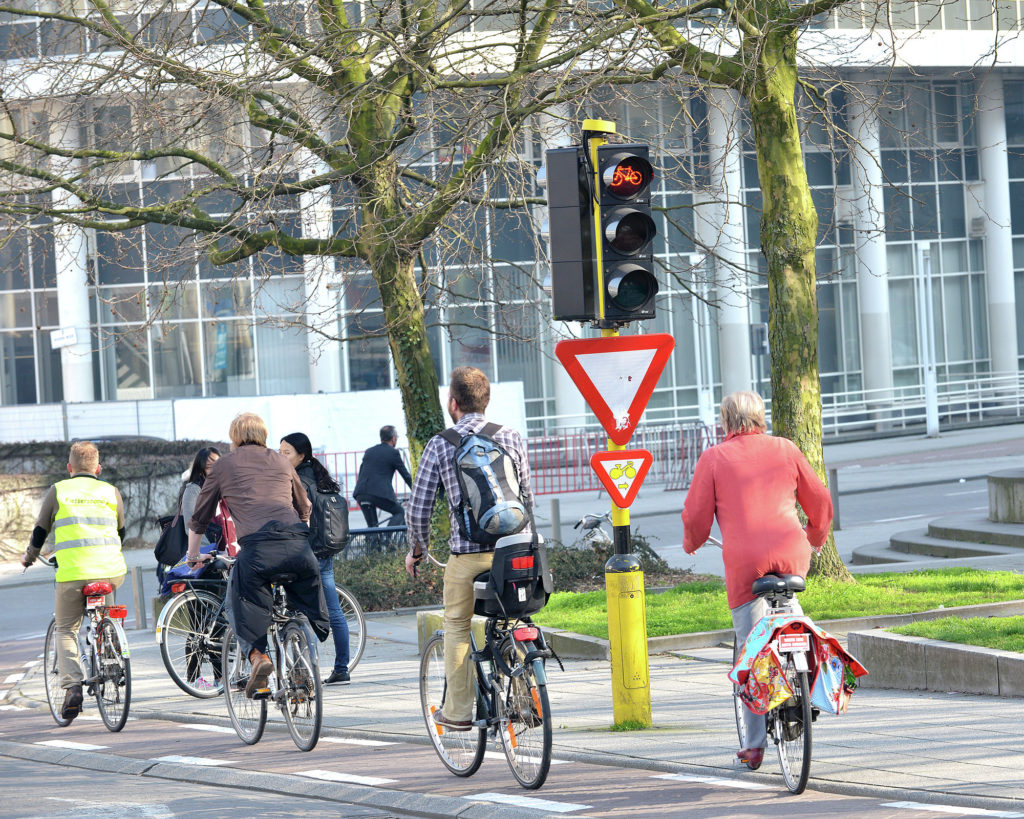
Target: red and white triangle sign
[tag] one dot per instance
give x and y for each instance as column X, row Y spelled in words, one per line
column 622, row 471
column 616, row 376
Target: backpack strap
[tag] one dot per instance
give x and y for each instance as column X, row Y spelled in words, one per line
column 452, row 436
column 489, row 429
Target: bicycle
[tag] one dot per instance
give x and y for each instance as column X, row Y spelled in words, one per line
column 106, row 661
column 190, row 632
column 512, row 706
column 295, row 687
column 593, row 533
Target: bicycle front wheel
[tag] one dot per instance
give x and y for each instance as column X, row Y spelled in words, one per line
column 461, row 752
column 525, row 718
column 301, row 698
column 190, row 643
column 114, row 672
column 249, row 717
column 790, row 724
column 51, row 676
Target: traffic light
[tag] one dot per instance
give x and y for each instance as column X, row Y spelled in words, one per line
column 627, row 233
column 571, row 235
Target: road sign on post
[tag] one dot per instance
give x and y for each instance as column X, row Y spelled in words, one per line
column 622, row 471
column 617, row 376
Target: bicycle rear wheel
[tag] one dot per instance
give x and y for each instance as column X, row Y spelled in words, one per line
column 302, row 696
column 525, row 714
column 790, row 724
column 737, row 704
column 114, row 670
column 51, row 676
column 249, row 717
column 190, row 643
column 461, row 752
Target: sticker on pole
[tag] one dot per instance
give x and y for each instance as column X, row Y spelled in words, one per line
column 622, row 471
column 616, row 375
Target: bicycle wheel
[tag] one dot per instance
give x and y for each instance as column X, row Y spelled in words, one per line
column 51, row 676
column 790, row 724
column 301, row 697
column 356, row 632
column 525, row 715
column 737, row 705
column 249, row 717
column 190, row 643
column 461, row 752
column 114, row 671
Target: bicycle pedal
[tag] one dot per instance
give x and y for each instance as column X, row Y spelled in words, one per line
column 261, row 693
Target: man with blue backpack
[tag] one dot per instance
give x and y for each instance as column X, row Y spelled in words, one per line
column 485, row 474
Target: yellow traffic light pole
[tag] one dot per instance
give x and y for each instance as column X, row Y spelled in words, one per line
column 624, row 580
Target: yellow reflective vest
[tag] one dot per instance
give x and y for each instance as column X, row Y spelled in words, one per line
column 85, row 530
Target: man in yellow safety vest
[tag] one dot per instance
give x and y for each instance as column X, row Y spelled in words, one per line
column 86, row 516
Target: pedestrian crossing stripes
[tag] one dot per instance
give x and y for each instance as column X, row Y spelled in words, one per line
column 351, row 779
column 371, row 743
column 954, row 809
column 71, row 746
column 192, row 760
column 529, row 802
column 720, row 781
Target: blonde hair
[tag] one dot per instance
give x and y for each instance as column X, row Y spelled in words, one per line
column 470, row 389
column 84, row 457
column 248, row 428
column 743, row 412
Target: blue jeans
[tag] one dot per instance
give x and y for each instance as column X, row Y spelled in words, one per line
column 339, row 625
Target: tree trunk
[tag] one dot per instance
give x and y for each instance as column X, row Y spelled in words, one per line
column 789, row 226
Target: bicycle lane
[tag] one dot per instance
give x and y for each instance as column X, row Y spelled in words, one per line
column 391, row 768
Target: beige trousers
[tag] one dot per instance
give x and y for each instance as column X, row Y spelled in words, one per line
column 458, row 614
column 68, row 610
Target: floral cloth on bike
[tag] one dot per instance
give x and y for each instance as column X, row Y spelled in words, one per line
column 758, row 669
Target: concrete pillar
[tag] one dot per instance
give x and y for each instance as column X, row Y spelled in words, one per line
column 322, row 291
column 723, row 228
column 869, row 243
column 71, row 257
column 1002, row 315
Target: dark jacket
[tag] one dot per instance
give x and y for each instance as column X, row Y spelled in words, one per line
column 380, row 463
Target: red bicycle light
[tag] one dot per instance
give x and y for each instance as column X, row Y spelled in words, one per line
column 526, row 634
column 627, row 177
column 522, row 562
column 177, row 588
column 117, row 612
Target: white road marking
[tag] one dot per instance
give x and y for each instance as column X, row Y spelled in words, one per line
column 1003, row 814
column 529, row 802
column 9, row 708
column 352, row 779
column 373, row 743
column 13, row 678
column 721, row 781
column 117, row 810
column 216, row 729
column 501, row 757
column 74, row 746
column 192, row 760
column 968, row 492
column 893, row 520
column 31, row 664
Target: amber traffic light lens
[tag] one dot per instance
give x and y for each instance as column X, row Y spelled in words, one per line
column 628, row 177
column 629, row 231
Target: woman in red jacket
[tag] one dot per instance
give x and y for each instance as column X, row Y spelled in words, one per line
column 749, row 482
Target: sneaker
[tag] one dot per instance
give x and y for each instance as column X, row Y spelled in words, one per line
column 72, row 702
column 338, row 678
column 262, row 668
column 451, row 724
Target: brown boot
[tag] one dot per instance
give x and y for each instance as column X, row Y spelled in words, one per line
column 72, row 702
column 262, row 668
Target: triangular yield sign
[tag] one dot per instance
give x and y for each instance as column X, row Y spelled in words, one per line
column 622, row 471
column 616, row 376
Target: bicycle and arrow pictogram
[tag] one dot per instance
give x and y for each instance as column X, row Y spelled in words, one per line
column 622, row 472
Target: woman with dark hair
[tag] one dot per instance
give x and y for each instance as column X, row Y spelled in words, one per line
column 298, row 450
column 201, row 464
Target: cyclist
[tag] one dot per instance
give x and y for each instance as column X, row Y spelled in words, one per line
column 86, row 516
column 298, row 449
column 374, row 489
column 748, row 482
column 269, row 508
column 469, row 393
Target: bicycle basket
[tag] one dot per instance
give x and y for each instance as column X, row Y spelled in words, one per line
column 519, row 582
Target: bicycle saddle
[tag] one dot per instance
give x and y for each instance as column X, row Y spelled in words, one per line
column 97, row 587
column 284, row 578
column 778, row 583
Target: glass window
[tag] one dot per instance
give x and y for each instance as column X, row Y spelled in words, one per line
column 227, row 298
column 981, row 14
column 954, row 257
column 922, row 166
column 121, row 304
column 956, row 306
column 229, row 358
column 16, row 310
column 903, row 322
column 368, row 353
column 512, row 236
column 954, row 220
column 897, row 210
column 828, row 330
column 1013, row 101
column 979, row 311
column 283, row 359
column 924, row 206
column 819, row 168
column 17, row 368
column 51, row 384
column 14, row 261
column 177, row 361
column 47, row 312
column 470, row 337
column 126, row 364
column 894, row 166
column 44, row 262
column 119, row 257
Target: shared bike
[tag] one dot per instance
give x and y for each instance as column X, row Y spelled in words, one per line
column 295, row 686
column 104, row 652
column 511, row 707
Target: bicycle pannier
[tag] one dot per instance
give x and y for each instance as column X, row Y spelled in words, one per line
column 173, row 541
column 519, row 582
column 328, row 523
column 491, row 506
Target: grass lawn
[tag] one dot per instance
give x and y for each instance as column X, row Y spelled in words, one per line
column 1006, row 633
column 701, row 606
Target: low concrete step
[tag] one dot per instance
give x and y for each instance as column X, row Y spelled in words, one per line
column 876, row 554
column 916, row 542
column 977, row 529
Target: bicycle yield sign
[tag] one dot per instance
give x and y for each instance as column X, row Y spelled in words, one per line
column 621, row 472
column 616, row 376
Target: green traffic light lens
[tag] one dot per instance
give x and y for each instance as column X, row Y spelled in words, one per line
column 631, row 288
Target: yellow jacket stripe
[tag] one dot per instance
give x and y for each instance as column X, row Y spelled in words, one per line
column 85, row 530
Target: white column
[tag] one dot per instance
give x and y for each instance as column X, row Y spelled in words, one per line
column 869, row 244
column 720, row 226
column 71, row 257
column 1002, row 315
column 325, row 367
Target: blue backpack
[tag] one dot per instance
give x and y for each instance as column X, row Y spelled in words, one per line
column 491, row 505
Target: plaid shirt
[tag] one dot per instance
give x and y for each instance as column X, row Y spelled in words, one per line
column 437, row 468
